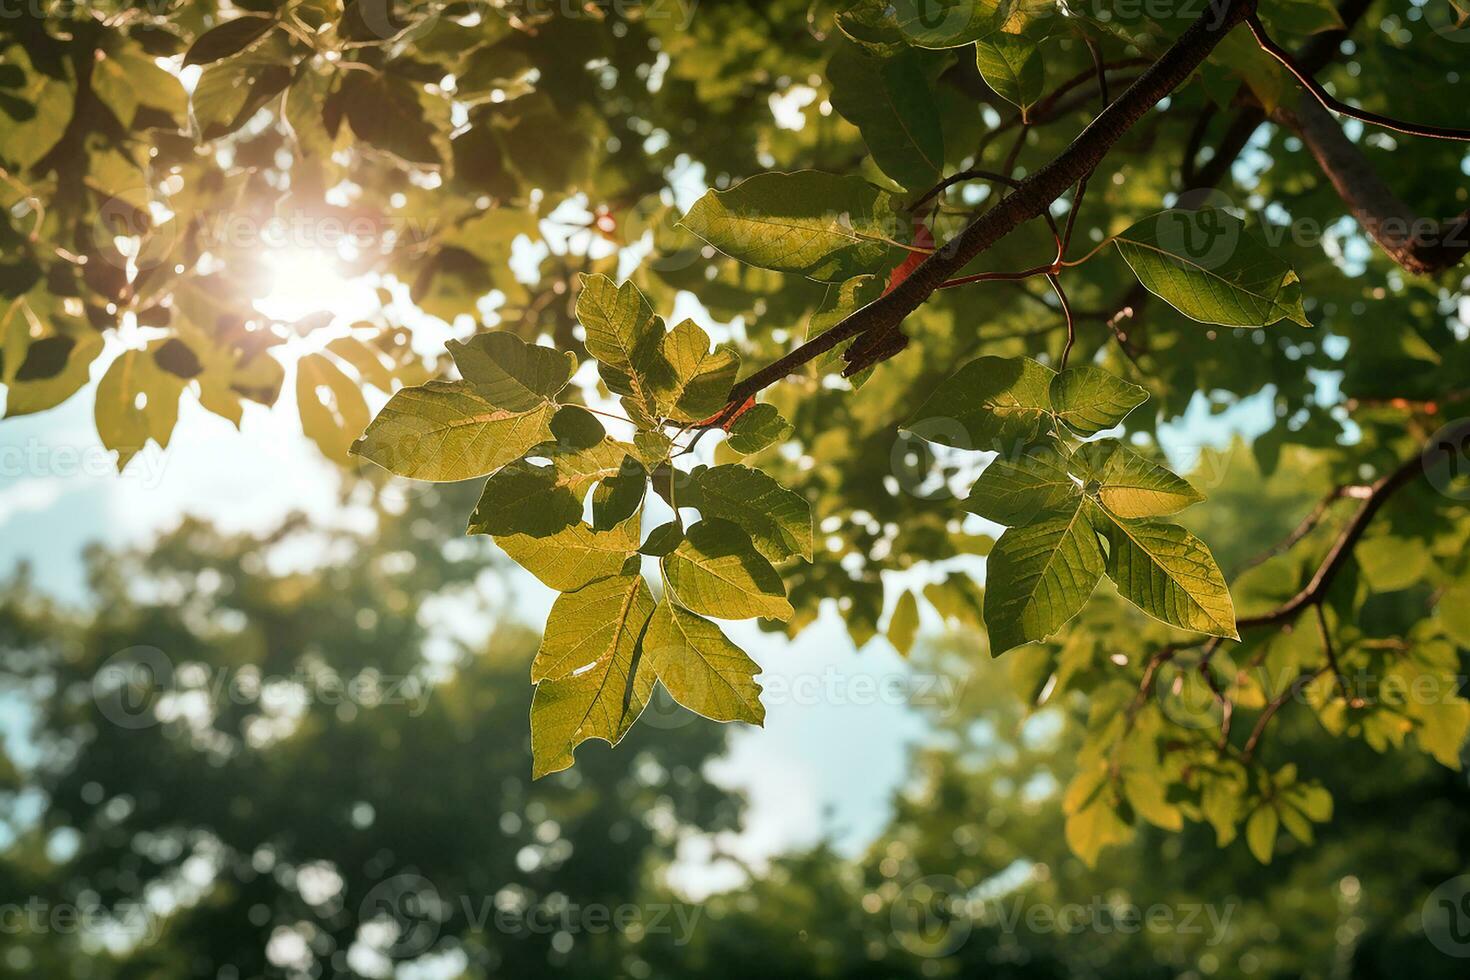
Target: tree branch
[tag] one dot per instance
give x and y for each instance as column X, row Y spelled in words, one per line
column 1315, row 591
column 1030, row 200
column 1337, row 105
column 1423, row 246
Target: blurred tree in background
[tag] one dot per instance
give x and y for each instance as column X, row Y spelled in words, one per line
column 327, row 781
column 275, row 821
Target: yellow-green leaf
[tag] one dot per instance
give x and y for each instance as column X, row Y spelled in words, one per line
column 447, row 431
column 701, row 668
column 717, row 571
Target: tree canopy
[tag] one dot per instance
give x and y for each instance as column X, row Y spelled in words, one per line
column 920, row 232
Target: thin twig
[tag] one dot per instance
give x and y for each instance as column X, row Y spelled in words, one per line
column 1337, row 105
column 1302, row 680
column 1056, row 286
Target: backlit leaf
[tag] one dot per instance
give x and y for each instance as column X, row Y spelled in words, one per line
column 446, row 431
column 1012, row 491
column 1089, row 399
column 1039, row 576
column 823, row 226
column 598, row 622
column 1011, row 65
column 571, row 558
column 1205, row 265
column 333, row 412
column 510, row 373
column 1130, row 486
column 758, row 428
column 889, row 100
column 992, row 403
column 701, row 668
column 778, row 521
column 716, row 571
column 602, row 701
column 903, row 625
column 1168, row 573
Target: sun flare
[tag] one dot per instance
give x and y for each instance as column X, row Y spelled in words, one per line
column 310, row 280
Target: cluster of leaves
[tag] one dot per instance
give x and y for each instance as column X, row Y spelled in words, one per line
column 608, row 639
column 1073, row 511
column 491, row 124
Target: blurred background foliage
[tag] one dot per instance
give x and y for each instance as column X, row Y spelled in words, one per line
column 286, row 830
column 272, row 825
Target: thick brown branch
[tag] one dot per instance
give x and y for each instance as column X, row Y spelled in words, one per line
column 1031, row 198
column 1420, row 245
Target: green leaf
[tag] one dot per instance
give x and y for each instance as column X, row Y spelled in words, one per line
column 602, row 702
column 1204, row 265
column 822, row 226
column 619, row 495
column 958, row 599
column 525, row 498
column 890, row 101
column 367, row 361
column 1168, row 573
column 125, row 80
column 923, row 23
column 1453, row 610
column 652, row 448
column 447, row 431
column 510, row 373
column 716, row 571
column 903, row 625
column 1039, row 576
column 1012, row 491
column 1391, row 563
column 122, row 423
column 50, row 102
column 223, row 40
column 778, row 520
column 333, row 411
column 1089, row 399
column 1011, row 65
column 758, row 428
column 625, row 336
column 390, row 113
column 1260, row 832
column 601, row 621
column 1130, row 486
column 1301, row 16
column 571, row 558
column 229, row 93
column 701, row 668
column 583, row 452
column 662, row 540
column 698, row 381
column 992, row 403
